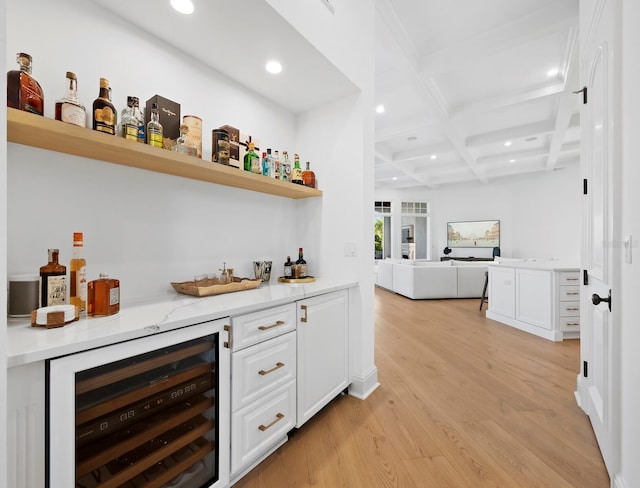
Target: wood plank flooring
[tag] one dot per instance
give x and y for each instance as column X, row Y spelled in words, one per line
column 464, row 402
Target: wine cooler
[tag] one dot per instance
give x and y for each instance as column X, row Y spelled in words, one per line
column 150, row 412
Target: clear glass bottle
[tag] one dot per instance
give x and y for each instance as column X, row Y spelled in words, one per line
column 69, row 109
column 78, row 274
column 183, row 144
column 296, row 173
column 154, row 128
column 104, row 113
column 103, row 296
column 285, row 167
column 23, row 91
column 251, row 159
column 276, row 165
column 309, row 177
column 53, row 281
column 129, row 122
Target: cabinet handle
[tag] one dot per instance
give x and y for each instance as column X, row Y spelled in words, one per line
column 267, row 327
column 279, row 416
column 573, row 279
column 573, row 309
column 228, row 344
column 573, row 293
column 278, row 365
column 573, row 323
column 304, row 309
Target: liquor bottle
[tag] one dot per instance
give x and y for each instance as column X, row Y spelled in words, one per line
column 285, row 167
column 103, row 296
column 300, row 270
column 272, row 164
column 288, row 268
column 23, row 91
column 138, row 115
column 183, row 144
column 296, row 173
column 129, row 122
column 69, row 108
column 276, row 161
column 104, row 113
column 53, row 281
column 309, row 177
column 154, row 128
column 78, row 274
column 266, row 163
column 251, row 158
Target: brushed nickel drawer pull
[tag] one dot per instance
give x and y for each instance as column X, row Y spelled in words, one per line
column 278, row 365
column 279, row 416
column 267, row 327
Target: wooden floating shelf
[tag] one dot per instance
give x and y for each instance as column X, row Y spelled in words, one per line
column 33, row 130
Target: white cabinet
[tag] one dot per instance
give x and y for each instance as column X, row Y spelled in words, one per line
column 542, row 299
column 323, row 360
column 263, row 384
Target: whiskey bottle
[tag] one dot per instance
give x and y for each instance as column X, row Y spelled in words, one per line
column 154, row 128
column 296, row 173
column 183, row 144
column 23, row 91
column 300, row 270
column 309, row 177
column 288, row 268
column 276, row 161
column 53, row 281
column 104, row 113
column 251, row 159
column 129, row 122
column 103, row 296
column 285, row 167
column 78, row 274
column 69, row 109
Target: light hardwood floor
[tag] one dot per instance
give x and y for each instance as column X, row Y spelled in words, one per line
column 463, row 402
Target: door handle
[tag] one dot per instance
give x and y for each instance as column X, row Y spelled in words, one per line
column 597, row 299
column 304, row 309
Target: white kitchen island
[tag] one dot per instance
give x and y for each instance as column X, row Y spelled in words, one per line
column 539, row 297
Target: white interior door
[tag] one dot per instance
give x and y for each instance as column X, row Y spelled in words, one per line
column 597, row 385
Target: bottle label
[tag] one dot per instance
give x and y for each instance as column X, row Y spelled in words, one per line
column 155, row 138
column 131, row 132
column 105, row 116
column 255, row 165
column 114, row 296
column 287, row 271
column 141, row 133
column 72, row 114
column 296, row 174
column 56, row 287
column 302, row 270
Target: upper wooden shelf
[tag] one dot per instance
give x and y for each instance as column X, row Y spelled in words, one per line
column 34, row 130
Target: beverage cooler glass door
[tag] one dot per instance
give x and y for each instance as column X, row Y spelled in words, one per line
column 150, row 412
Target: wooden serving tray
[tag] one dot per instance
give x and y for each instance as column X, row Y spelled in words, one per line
column 214, row 287
column 308, row 279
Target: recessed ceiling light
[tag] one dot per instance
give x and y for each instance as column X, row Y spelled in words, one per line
column 512, row 160
column 412, row 138
column 380, row 109
column 508, row 143
column 395, row 178
column 433, row 156
column 273, row 67
column 183, row 6
column 553, row 72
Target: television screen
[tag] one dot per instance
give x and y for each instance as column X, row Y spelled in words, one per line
column 481, row 233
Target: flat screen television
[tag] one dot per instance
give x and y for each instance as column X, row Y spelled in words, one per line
column 479, row 233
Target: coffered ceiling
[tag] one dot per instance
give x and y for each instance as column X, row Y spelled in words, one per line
column 475, row 91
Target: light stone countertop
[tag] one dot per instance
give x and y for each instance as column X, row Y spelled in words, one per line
column 546, row 265
column 26, row 344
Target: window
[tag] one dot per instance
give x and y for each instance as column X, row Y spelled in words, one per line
column 415, row 235
column 382, row 230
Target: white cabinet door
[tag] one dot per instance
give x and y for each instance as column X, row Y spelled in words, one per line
column 534, row 297
column 502, row 291
column 323, row 362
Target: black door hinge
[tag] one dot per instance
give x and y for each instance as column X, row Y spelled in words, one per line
column 585, row 277
column 585, row 369
column 584, row 94
column 584, row 186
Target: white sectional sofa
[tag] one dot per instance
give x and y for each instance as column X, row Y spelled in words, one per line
column 432, row 279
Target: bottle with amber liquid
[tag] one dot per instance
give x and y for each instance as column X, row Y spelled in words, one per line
column 69, row 109
column 23, row 91
column 78, row 274
column 300, row 268
column 103, row 296
column 104, row 113
column 309, row 177
column 53, row 281
column 296, row 172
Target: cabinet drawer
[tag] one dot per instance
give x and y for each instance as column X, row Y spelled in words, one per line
column 569, row 323
column 569, row 309
column 569, row 293
column 262, row 424
column 257, row 327
column 260, row 369
column 569, row 278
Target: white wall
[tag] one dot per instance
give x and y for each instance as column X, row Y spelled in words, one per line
column 539, row 213
column 630, row 306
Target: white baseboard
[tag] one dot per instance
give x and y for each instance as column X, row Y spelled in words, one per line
column 619, row 482
column 363, row 386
